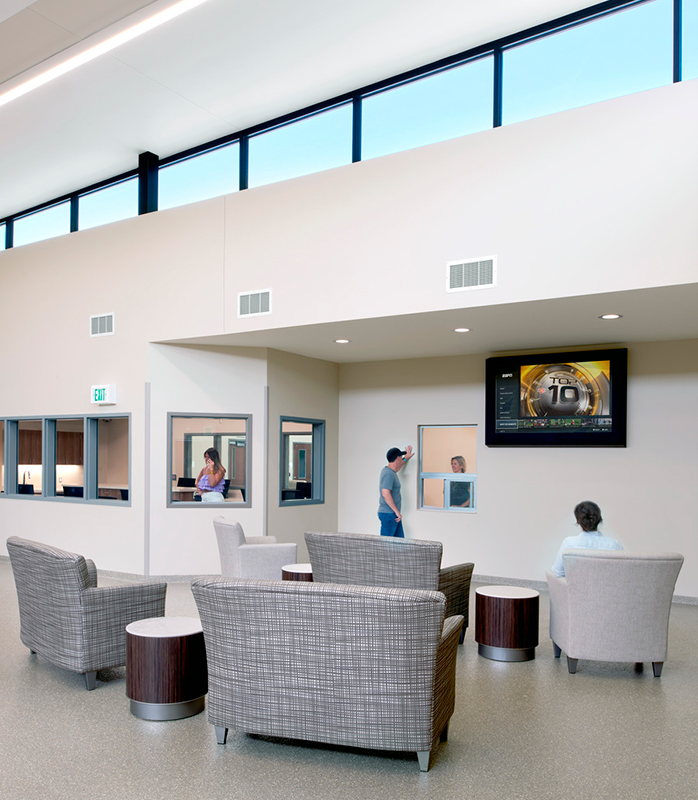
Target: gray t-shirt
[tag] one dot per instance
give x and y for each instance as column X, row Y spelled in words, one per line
column 389, row 480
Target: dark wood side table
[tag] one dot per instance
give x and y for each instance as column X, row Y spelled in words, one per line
column 297, row 572
column 506, row 622
column 166, row 672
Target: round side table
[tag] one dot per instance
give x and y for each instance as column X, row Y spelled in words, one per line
column 297, row 572
column 506, row 622
column 166, row 671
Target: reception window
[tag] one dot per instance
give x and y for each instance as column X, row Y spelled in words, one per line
column 302, row 463
column 83, row 459
column 448, row 467
column 191, row 437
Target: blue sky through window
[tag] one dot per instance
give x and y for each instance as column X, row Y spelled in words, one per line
column 315, row 143
column 119, row 201
column 210, row 174
column 54, row 221
column 690, row 39
column 432, row 109
column 612, row 56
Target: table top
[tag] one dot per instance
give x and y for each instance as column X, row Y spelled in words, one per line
column 164, row 627
column 298, row 567
column 513, row 592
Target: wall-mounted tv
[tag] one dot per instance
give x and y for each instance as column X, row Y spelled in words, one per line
column 569, row 399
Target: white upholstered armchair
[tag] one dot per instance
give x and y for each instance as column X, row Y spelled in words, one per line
column 251, row 556
column 613, row 606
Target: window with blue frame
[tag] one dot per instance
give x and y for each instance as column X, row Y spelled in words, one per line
column 610, row 56
column 113, row 203
column 452, row 103
column 689, row 40
column 210, row 174
column 44, row 224
column 321, row 141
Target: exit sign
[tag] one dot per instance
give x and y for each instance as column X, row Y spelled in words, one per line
column 104, row 395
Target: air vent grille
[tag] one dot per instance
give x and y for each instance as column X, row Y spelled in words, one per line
column 473, row 274
column 102, row 325
column 252, row 304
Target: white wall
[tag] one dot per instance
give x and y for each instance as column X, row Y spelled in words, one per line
column 212, row 381
column 526, row 496
column 302, row 387
column 596, row 199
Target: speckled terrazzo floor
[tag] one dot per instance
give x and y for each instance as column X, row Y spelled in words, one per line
column 526, row 731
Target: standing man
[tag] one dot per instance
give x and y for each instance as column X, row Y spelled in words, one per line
column 390, row 500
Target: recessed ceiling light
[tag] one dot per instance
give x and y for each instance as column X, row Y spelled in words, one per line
column 461, row 330
column 611, row 316
column 341, row 341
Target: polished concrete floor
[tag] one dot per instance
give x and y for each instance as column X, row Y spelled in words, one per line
column 522, row 731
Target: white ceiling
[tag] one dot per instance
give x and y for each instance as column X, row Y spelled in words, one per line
column 229, row 64
column 218, row 68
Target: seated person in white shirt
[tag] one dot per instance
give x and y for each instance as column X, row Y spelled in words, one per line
column 588, row 517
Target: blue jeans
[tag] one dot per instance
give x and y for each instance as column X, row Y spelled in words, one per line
column 390, row 526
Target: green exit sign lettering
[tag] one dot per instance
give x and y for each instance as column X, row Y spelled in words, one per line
column 103, row 395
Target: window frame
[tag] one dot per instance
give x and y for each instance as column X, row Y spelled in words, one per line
column 448, row 478
column 247, row 502
column 317, row 462
column 49, row 456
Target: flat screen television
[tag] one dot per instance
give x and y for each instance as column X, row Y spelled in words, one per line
column 567, row 399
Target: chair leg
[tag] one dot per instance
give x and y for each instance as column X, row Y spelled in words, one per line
column 444, row 734
column 657, row 668
column 556, row 650
column 423, row 758
column 90, row 680
column 221, row 734
column 572, row 665
column 461, row 639
column 639, row 666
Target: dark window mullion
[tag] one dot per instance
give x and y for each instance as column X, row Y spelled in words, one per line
column 498, row 62
column 678, row 34
column 244, row 162
column 356, row 129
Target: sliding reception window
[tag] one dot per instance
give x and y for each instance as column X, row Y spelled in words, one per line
column 68, row 456
column 30, row 456
column 302, row 478
column 209, row 459
column 2, row 456
column 109, row 458
column 448, row 467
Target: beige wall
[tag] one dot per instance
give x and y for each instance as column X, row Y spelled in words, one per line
column 302, row 387
column 599, row 198
column 526, row 496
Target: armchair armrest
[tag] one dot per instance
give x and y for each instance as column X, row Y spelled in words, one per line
column 559, row 610
column 454, row 582
column 445, row 674
column 266, row 560
column 91, row 572
column 106, row 613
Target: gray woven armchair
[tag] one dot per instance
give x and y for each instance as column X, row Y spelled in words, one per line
column 65, row 618
column 368, row 560
column 613, row 606
column 356, row 666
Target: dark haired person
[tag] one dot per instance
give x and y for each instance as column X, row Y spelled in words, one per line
column 588, row 517
column 210, row 482
column 389, row 501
